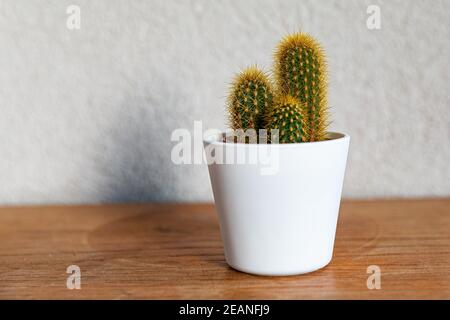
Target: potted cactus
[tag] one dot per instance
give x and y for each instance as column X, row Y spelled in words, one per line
column 281, row 221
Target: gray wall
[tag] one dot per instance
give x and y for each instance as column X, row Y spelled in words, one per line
column 86, row 115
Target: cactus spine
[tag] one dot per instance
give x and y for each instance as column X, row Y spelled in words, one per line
column 290, row 118
column 250, row 98
column 300, row 71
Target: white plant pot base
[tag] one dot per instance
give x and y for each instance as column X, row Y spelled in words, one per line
column 273, row 273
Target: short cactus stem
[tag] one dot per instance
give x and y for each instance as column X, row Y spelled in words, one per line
column 290, row 119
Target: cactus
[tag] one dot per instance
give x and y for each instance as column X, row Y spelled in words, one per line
column 250, row 97
column 289, row 117
column 300, row 71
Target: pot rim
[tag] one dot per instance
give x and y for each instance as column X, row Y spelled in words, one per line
column 337, row 137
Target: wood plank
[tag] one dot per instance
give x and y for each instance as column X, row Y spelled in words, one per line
column 173, row 251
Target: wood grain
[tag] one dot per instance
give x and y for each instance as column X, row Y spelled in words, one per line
column 164, row 251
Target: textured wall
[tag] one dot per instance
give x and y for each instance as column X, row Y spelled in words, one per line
column 86, row 115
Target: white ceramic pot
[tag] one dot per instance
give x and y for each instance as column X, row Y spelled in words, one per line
column 278, row 217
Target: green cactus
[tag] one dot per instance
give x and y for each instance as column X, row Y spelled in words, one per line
column 250, row 97
column 289, row 117
column 300, row 71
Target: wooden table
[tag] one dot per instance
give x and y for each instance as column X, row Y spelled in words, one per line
column 174, row 251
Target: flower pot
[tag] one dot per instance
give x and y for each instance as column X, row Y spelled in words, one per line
column 280, row 221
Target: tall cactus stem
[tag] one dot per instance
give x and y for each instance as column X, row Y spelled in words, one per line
column 301, row 72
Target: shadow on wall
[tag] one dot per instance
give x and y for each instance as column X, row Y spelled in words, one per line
column 136, row 165
column 137, row 144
